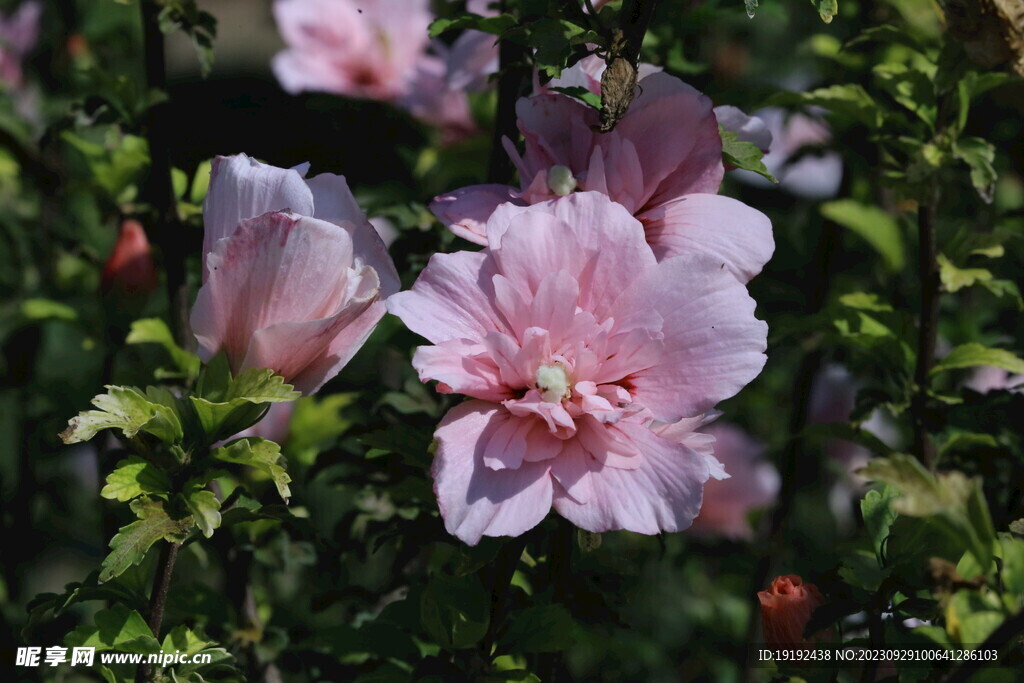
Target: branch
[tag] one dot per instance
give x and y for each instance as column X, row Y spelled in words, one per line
column 618, row 83
column 158, row 600
column 513, row 83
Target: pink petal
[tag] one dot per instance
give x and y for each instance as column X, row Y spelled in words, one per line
column 464, row 367
column 465, row 211
column 725, row 229
column 243, row 188
column 675, row 133
column 557, row 131
column 572, row 234
column 475, row 500
column 451, row 299
column 290, row 348
column 275, row 268
column 333, row 201
column 713, row 343
column 747, row 128
column 572, row 470
column 662, row 494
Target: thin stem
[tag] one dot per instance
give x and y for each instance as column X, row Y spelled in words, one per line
column 550, row 665
column 159, row 188
column 158, row 600
column 513, row 83
column 635, row 18
column 504, row 566
column 929, row 283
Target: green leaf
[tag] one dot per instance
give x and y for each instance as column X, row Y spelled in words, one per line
column 126, row 409
column 850, row 101
column 751, row 7
column 155, row 331
column 741, row 154
column 861, row 569
column 973, row 355
column 827, row 9
column 970, row 619
column 864, row 302
column 1013, row 563
column 47, row 309
column 224, row 410
column 878, row 516
column 847, row 432
column 911, row 87
column 581, row 94
column 114, row 628
column 874, row 225
column 205, row 508
column 950, row 499
column 200, row 26
column 412, row 444
column 979, row 154
column 130, row 544
column 261, row 454
column 455, row 611
column 134, row 477
column 954, row 279
column 495, row 25
column 886, row 33
column 541, row 628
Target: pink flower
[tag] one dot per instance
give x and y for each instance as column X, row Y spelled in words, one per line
column 663, row 163
column 275, row 425
column 748, row 128
column 130, row 270
column 570, row 337
column 786, row 608
column 295, row 276
column 368, row 49
column 752, row 483
column 988, row 378
column 18, row 36
column 435, row 101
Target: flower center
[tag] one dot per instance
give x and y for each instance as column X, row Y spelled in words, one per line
column 561, row 180
column 553, row 382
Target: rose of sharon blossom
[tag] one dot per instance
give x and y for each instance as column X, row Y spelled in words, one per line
column 570, row 337
column 752, row 482
column 295, row 276
column 663, row 163
column 130, row 269
column 786, row 607
column 18, row 35
column 365, row 48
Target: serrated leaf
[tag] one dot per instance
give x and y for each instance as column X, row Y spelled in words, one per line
column 979, row 154
column 495, row 25
column 260, row 454
column 874, row 225
column 973, row 355
column 129, row 546
column 134, row 477
column 205, row 509
column 155, row 331
column 113, row 628
column 848, row 100
column 743, row 155
column 224, row 410
column 126, row 409
column 878, row 516
column 954, row 279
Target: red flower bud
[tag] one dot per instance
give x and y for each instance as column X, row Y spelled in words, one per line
column 130, row 270
column 786, row 607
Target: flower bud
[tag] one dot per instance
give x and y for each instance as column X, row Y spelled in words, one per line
column 561, row 180
column 130, row 269
column 786, row 607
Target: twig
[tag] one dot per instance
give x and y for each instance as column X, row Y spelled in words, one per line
column 551, row 666
column 505, row 565
column 158, row 600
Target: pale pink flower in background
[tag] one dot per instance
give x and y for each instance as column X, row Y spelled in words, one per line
column 294, row 274
column 366, row 48
column 988, row 378
column 815, row 175
column 748, row 128
column 570, row 337
column 663, row 163
column 275, row 425
column 753, row 483
column 435, row 101
column 19, row 33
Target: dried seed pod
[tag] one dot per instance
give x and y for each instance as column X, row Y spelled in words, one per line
column 618, row 83
column 991, row 31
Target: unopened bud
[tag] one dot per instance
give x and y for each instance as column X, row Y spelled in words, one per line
column 561, row 180
column 130, row 268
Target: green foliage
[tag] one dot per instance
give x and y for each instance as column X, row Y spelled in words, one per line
column 454, row 611
column 200, row 26
column 155, row 331
column 262, row 455
column 742, row 155
column 875, row 226
column 973, row 355
column 126, row 409
column 225, row 405
column 130, row 544
column 135, row 477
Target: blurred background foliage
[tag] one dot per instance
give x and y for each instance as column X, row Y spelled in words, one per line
column 360, row 581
